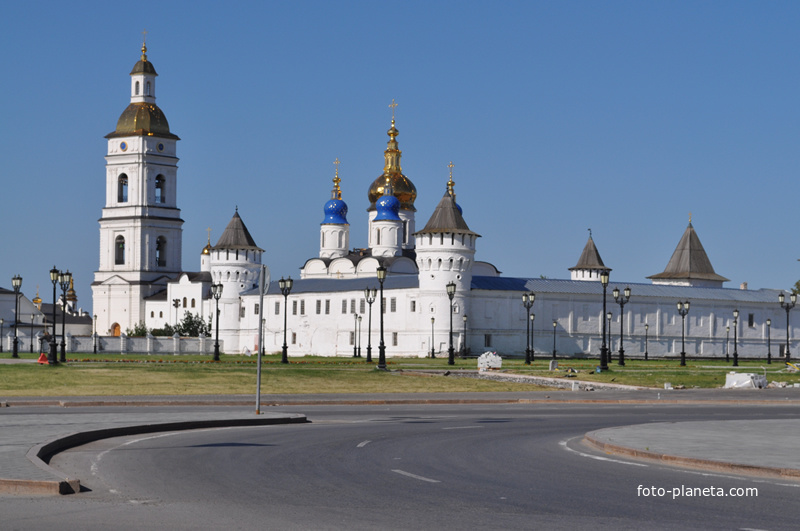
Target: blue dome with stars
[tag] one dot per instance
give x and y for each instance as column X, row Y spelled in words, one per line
column 335, row 212
column 387, row 208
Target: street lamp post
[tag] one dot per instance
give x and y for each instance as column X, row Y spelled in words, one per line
column 622, row 302
column 769, row 350
column 727, row 343
column 94, row 335
column 533, row 347
column 735, row 338
column 683, row 310
column 381, row 272
column 175, row 304
column 286, row 288
column 16, row 283
column 359, row 336
column 369, row 295
column 603, row 348
column 527, row 302
column 52, row 359
column 64, row 281
column 2, row 322
column 216, row 292
column 555, row 325
column 451, row 292
column 464, row 339
column 609, row 315
column 32, row 332
column 433, row 350
column 355, row 335
column 788, row 307
column 646, row 329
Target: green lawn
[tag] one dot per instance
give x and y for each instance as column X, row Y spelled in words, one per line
column 115, row 374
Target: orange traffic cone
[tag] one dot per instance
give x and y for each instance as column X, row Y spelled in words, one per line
column 43, row 359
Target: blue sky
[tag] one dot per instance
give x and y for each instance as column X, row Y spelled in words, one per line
column 622, row 117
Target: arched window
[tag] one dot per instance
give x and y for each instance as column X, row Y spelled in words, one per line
column 119, row 250
column 136, row 89
column 184, row 302
column 147, row 89
column 192, row 303
column 122, row 188
column 160, row 190
column 378, row 237
column 152, row 314
column 160, row 314
column 161, row 251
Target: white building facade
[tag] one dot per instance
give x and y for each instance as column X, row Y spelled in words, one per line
column 145, row 283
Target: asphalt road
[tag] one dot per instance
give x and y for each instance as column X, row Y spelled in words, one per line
column 406, row 467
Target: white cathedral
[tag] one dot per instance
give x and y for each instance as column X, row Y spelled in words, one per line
column 141, row 279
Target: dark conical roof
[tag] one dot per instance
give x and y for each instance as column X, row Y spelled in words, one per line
column 689, row 261
column 590, row 258
column 236, row 236
column 447, row 218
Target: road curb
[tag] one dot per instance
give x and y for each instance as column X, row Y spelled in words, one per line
column 41, row 454
column 707, row 464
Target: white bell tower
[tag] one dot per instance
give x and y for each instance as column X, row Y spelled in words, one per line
column 140, row 226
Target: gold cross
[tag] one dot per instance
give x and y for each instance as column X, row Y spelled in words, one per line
column 144, row 36
column 393, row 105
column 690, row 217
column 209, row 234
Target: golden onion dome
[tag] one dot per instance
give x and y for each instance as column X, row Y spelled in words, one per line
column 142, row 119
column 207, row 249
column 402, row 187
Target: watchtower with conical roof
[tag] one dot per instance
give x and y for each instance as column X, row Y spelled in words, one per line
column 140, row 226
column 689, row 265
column 590, row 265
column 445, row 253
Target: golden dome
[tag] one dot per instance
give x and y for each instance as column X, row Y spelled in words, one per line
column 142, row 119
column 402, row 187
column 71, row 295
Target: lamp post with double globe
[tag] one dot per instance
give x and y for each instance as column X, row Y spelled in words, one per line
column 216, row 292
column 64, row 281
column 603, row 348
column 369, row 295
column 381, row 273
column 646, row 329
column 52, row 359
column 527, row 302
column 622, row 302
column 286, row 288
column 2, row 322
column 555, row 325
column 788, row 307
column 32, row 316
column 16, row 283
column 451, row 292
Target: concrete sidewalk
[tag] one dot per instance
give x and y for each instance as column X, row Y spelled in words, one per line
column 29, row 438
column 763, row 447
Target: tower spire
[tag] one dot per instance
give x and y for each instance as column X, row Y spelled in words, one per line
column 144, row 45
column 337, row 192
column 451, row 183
